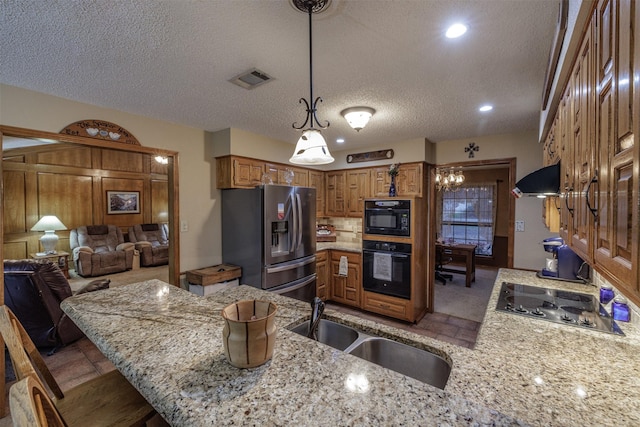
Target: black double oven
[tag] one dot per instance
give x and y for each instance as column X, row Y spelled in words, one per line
column 387, row 262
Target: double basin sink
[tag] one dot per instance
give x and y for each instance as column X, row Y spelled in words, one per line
column 413, row 362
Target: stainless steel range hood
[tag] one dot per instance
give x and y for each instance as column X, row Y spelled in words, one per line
column 543, row 182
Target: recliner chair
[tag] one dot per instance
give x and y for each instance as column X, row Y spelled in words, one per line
column 152, row 241
column 33, row 290
column 99, row 250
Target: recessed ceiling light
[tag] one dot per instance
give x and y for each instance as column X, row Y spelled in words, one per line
column 486, row 108
column 456, row 30
column 340, row 140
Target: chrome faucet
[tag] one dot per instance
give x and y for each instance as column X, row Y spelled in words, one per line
column 317, row 307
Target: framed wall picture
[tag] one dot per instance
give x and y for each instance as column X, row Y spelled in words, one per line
column 123, row 202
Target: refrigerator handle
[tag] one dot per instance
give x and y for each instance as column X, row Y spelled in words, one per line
column 294, row 221
column 300, row 231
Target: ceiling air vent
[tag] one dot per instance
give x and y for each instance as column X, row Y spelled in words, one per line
column 251, row 79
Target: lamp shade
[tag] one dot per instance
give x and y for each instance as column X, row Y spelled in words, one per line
column 358, row 117
column 49, row 223
column 311, row 149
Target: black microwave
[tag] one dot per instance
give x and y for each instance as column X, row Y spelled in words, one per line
column 387, row 217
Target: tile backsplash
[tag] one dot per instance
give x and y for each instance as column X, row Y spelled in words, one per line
column 348, row 230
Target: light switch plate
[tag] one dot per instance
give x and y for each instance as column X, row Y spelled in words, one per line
column 184, row 226
column 519, row 225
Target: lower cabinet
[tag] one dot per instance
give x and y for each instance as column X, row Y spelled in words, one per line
column 397, row 308
column 346, row 289
column 322, row 273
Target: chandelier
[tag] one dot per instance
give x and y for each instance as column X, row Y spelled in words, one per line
column 311, row 148
column 448, row 180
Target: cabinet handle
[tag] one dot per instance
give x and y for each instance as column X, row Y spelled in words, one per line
column 566, row 200
column 594, row 211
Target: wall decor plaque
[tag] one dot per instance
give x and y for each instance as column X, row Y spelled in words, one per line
column 100, row 129
column 370, row 156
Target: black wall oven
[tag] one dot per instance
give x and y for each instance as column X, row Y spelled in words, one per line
column 387, row 268
column 387, row 217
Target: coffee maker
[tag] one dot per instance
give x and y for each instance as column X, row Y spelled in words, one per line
column 564, row 264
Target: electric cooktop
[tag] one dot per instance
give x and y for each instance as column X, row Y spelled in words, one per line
column 570, row 308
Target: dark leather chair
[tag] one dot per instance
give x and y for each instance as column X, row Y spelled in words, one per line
column 33, row 290
column 99, row 250
column 152, row 241
column 442, row 258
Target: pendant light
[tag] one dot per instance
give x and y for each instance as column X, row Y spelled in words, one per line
column 311, row 148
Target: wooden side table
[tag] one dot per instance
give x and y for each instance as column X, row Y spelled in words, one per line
column 62, row 258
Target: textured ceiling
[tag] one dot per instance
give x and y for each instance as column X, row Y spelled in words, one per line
column 172, row 59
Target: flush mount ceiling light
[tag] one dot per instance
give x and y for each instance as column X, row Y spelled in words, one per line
column 358, row 117
column 311, row 148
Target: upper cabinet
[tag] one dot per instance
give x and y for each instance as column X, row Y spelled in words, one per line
column 408, row 181
column 358, row 181
column 335, row 200
column 238, row 172
column 316, row 180
column 596, row 134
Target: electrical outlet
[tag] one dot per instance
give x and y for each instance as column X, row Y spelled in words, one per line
column 184, row 226
column 520, row 225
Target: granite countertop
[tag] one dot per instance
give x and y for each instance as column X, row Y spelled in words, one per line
column 522, row 371
column 340, row 246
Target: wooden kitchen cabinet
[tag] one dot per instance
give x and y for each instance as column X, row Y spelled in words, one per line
column 599, row 121
column 277, row 173
column 615, row 238
column 322, row 273
column 358, row 181
column 335, row 191
column 238, row 172
column 346, row 289
column 316, row 180
column 408, row 181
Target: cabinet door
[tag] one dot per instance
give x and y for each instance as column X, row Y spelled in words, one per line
column 346, row 289
column 565, row 133
column 380, row 181
column 335, row 191
column 316, row 180
column 584, row 145
column 247, row 172
column 357, row 190
column 322, row 272
column 614, row 249
column 408, row 181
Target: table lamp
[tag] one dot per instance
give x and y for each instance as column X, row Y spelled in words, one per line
column 49, row 224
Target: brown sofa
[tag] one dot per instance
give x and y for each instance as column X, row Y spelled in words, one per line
column 152, row 241
column 100, row 249
column 33, row 290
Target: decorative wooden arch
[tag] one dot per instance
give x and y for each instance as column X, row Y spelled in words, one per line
column 102, row 130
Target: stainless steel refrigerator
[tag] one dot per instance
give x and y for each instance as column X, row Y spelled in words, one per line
column 270, row 232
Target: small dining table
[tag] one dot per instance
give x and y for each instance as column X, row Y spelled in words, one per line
column 469, row 254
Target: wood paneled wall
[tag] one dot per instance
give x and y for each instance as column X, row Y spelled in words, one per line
column 71, row 182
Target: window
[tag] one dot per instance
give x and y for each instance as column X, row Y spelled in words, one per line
column 468, row 216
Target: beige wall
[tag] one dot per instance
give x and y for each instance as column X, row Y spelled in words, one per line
column 527, row 253
column 200, row 245
column 199, row 198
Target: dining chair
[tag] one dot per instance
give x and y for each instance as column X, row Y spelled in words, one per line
column 442, row 258
column 107, row 400
column 31, row 406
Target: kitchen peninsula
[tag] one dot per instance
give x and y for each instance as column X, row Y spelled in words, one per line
column 167, row 342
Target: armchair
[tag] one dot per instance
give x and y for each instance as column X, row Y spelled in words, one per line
column 33, row 290
column 100, row 249
column 152, row 241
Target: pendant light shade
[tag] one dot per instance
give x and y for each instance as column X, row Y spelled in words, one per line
column 311, row 149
